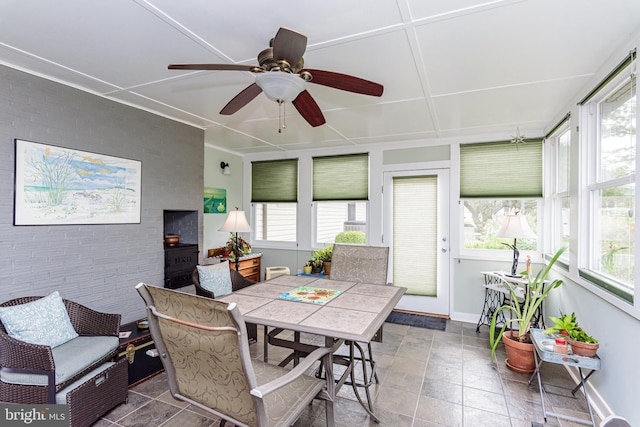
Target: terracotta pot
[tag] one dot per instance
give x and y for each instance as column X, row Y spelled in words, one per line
column 327, row 267
column 520, row 356
column 583, row 348
column 171, row 239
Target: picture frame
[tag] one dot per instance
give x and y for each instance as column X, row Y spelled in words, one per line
column 61, row 186
column 215, row 200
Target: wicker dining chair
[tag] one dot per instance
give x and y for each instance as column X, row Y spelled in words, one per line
column 203, row 347
column 238, row 281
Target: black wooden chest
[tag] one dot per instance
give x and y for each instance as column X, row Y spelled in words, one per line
column 134, row 349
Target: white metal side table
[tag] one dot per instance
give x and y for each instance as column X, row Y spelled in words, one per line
column 543, row 344
column 497, row 294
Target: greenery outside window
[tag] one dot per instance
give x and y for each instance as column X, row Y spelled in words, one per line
column 611, row 189
column 274, row 199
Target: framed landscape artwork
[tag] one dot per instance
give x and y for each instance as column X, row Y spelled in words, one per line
column 56, row 185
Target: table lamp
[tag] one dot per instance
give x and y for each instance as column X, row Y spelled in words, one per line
column 515, row 226
column 236, row 223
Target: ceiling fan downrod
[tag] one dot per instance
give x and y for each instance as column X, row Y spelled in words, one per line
column 282, row 118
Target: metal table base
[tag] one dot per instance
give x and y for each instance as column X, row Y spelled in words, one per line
column 543, row 354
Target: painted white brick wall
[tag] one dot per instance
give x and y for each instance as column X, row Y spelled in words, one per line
column 95, row 265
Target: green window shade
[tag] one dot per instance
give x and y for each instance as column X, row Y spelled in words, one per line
column 341, row 177
column 415, row 234
column 274, row 181
column 501, row 170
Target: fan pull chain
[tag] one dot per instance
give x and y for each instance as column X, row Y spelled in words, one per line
column 282, row 117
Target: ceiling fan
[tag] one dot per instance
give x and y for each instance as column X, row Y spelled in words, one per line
column 282, row 77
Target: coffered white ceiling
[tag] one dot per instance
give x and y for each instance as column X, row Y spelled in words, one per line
column 450, row 68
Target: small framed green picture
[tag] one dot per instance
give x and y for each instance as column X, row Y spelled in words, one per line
column 215, row 200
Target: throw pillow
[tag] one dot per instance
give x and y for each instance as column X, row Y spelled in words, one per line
column 215, row 278
column 44, row 321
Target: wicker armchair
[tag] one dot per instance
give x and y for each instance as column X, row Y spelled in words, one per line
column 86, row 402
column 237, row 282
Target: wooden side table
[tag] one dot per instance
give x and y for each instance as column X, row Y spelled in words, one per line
column 543, row 345
column 248, row 266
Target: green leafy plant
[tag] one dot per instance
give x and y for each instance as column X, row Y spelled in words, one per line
column 566, row 322
column 523, row 312
column 323, row 254
column 582, row 336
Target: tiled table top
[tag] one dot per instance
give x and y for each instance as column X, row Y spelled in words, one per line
column 356, row 314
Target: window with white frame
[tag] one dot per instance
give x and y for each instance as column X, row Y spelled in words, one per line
column 274, row 198
column 340, row 198
column 610, row 193
column 557, row 196
column 498, row 179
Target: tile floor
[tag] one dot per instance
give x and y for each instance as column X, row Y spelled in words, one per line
column 427, row 378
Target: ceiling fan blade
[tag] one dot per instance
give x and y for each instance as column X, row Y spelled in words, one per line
column 221, row 67
column 345, row 82
column 289, row 45
column 241, row 99
column 308, row 108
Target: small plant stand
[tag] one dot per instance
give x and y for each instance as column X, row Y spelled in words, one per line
column 544, row 353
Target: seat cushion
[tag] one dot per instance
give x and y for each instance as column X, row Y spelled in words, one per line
column 44, row 321
column 215, row 278
column 69, row 358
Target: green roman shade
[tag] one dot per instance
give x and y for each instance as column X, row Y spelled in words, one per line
column 341, row 177
column 501, row 170
column 274, row 181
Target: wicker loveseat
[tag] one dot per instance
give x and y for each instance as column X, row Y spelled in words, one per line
column 82, row 372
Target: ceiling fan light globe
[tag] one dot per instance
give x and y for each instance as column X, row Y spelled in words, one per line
column 279, row 86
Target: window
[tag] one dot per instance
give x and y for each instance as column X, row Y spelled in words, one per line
column 611, row 190
column 274, row 197
column 340, row 196
column 496, row 179
column 558, row 147
column 341, row 222
column 483, row 218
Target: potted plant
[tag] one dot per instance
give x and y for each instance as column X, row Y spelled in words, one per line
column 563, row 324
column 517, row 342
column 241, row 248
column 308, row 267
column 582, row 344
column 317, row 266
column 324, row 255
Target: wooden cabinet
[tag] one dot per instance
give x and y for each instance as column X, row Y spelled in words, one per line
column 179, row 262
column 249, row 266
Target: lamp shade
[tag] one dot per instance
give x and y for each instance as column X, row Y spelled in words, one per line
column 236, row 222
column 280, row 86
column 516, row 226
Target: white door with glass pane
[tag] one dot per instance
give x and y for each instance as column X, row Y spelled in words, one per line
column 416, row 229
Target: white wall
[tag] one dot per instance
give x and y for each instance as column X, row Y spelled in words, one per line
column 213, row 177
